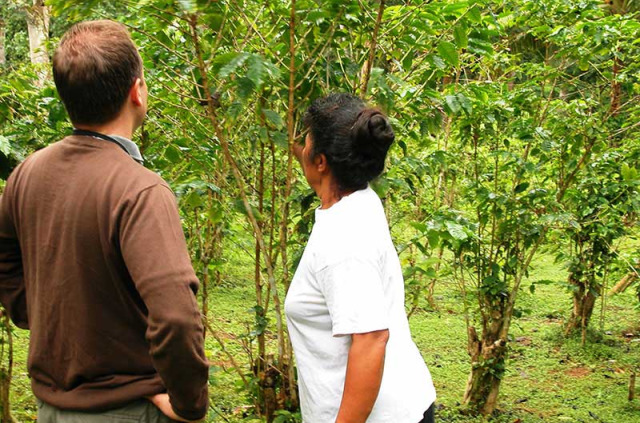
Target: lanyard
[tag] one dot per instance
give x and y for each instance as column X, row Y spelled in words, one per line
column 85, row 132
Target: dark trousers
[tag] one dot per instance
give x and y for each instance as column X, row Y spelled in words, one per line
column 428, row 415
column 137, row 412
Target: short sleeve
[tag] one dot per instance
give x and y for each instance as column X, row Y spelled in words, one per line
column 355, row 297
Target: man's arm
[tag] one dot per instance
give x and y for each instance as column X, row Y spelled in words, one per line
column 155, row 252
column 365, row 366
column 12, row 290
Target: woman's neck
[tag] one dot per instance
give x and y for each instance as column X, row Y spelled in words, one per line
column 329, row 193
column 327, row 200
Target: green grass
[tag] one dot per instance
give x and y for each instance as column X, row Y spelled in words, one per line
column 549, row 378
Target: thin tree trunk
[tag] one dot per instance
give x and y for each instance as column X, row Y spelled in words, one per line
column 241, row 184
column 432, row 284
column 7, row 371
column 488, row 353
column 585, row 289
column 616, row 89
column 38, row 26
column 237, row 175
column 3, row 56
column 368, row 64
column 206, row 251
column 290, row 385
column 291, row 135
column 260, row 362
column 415, row 300
column 487, row 367
column 624, row 283
column 584, row 301
column 230, row 356
column 205, row 292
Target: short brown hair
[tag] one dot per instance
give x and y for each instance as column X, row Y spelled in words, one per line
column 94, row 67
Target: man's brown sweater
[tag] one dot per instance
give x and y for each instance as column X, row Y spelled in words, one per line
column 94, row 262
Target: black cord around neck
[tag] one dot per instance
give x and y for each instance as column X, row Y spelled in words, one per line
column 88, row 133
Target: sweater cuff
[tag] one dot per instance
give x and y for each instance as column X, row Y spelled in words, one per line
column 197, row 412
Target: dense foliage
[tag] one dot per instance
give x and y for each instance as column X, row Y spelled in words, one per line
column 517, row 132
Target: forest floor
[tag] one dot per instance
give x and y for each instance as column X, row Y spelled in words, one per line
column 549, row 378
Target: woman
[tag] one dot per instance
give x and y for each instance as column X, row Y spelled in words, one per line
column 345, row 307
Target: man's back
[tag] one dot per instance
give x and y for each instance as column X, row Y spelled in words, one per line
column 107, row 280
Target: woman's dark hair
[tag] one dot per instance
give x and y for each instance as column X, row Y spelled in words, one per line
column 353, row 137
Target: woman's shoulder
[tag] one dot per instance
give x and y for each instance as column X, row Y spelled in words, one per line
column 356, row 230
column 341, row 243
column 362, row 211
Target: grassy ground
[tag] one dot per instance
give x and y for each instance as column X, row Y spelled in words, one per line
column 549, row 378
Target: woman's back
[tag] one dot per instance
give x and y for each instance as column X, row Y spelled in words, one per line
column 349, row 281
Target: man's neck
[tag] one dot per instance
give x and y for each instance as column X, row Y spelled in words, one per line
column 111, row 128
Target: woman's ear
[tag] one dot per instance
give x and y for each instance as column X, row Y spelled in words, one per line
column 320, row 162
column 298, row 151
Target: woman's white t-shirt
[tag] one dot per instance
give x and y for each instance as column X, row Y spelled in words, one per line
column 349, row 281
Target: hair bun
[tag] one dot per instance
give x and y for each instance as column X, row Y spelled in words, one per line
column 372, row 133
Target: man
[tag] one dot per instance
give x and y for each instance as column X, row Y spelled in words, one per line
column 93, row 259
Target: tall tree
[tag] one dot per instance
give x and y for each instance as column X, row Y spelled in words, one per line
column 38, row 24
column 3, row 57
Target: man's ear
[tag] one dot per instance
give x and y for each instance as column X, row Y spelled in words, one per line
column 135, row 94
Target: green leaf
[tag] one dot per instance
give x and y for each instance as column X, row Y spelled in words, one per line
column 216, row 215
column 164, row 38
column 317, row 16
column 464, row 102
column 453, row 104
column 449, row 53
column 273, row 118
column 434, row 238
column 628, row 173
column 173, row 153
column 479, row 46
column 5, row 146
column 193, row 200
column 280, row 139
column 256, row 69
column 239, row 207
column 456, row 231
column 474, row 15
column 521, row 187
column 187, row 5
column 437, row 61
column 456, row 8
column 430, row 272
column 235, row 109
column 245, row 87
column 236, row 61
column 403, row 146
column 461, row 36
column 214, row 20
column 419, row 226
